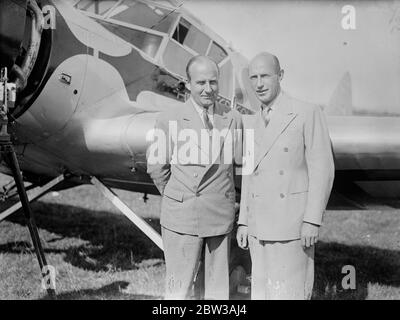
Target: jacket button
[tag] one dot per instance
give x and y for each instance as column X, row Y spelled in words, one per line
column 256, row 173
column 281, row 172
column 195, row 175
column 197, row 194
column 282, row 195
column 286, row 149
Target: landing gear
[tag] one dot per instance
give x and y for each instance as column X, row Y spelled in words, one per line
column 120, row 205
column 8, row 154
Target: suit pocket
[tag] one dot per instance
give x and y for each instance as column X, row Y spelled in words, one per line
column 174, row 195
column 297, row 192
column 293, row 137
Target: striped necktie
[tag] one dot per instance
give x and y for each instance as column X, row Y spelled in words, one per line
column 206, row 120
column 266, row 114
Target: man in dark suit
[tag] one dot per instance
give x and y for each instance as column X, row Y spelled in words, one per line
column 196, row 181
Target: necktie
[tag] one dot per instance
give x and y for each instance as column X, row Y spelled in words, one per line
column 266, row 113
column 209, row 127
column 206, row 120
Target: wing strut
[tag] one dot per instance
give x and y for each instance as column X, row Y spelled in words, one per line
column 137, row 220
column 35, row 194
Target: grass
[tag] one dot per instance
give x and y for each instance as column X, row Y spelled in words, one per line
column 99, row 254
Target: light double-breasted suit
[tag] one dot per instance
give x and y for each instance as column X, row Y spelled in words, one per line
column 198, row 196
column 290, row 184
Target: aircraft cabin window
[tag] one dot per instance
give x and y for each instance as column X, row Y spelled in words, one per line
column 144, row 14
column 181, row 32
column 217, row 53
column 191, row 37
column 95, row 6
column 175, row 58
column 147, row 42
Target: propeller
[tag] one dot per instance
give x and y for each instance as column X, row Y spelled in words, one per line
column 12, row 27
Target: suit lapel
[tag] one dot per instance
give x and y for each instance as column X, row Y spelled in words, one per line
column 190, row 117
column 222, row 123
column 266, row 136
column 190, row 120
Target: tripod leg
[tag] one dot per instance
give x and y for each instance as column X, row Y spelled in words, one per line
column 12, row 159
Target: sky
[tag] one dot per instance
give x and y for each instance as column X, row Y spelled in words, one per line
column 324, row 47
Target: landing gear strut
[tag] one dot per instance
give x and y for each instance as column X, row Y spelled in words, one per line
column 8, row 154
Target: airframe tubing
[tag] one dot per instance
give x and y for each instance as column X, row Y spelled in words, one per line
column 138, row 221
column 32, row 196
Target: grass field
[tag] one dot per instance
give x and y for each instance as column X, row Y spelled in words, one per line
column 99, row 254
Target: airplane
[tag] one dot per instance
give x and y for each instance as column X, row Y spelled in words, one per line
column 92, row 76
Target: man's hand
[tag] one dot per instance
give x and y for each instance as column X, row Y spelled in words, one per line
column 241, row 237
column 309, row 234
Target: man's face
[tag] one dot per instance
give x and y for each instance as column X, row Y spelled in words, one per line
column 203, row 83
column 265, row 79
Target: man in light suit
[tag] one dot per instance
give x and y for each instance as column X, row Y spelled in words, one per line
column 196, row 181
column 284, row 197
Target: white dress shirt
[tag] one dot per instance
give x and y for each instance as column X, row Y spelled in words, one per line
column 200, row 110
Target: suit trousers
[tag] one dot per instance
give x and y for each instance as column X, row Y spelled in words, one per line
column 281, row 270
column 183, row 253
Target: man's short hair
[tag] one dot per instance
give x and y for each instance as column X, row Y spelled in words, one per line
column 194, row 59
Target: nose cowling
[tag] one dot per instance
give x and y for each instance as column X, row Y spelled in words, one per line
column 12, row 27
column 21, row 29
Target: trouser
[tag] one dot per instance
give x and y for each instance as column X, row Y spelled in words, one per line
column 281, row 270
column 183, row 253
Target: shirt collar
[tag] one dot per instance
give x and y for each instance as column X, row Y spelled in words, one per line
column 200, row 110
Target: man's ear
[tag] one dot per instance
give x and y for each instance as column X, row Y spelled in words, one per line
column 281, row 73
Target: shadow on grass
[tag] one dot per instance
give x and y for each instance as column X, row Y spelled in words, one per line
column 372, row 265
column 347, row 195
column 111, row 291
column 110, row 240
column 23, row 247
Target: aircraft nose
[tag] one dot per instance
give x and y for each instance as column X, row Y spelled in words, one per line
column 12, row 27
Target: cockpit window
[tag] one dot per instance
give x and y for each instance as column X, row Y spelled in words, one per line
column 217, row 53
column 147, row 42
column 191, row 37
column 143, row 14
column 181, row 31
column 95, row 6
